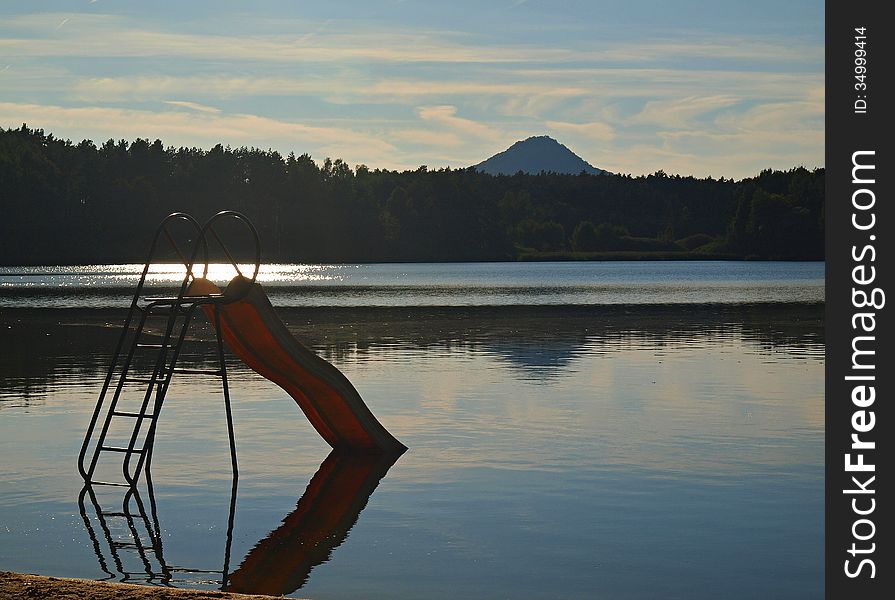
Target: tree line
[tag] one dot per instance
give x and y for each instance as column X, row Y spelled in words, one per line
column 68, row 203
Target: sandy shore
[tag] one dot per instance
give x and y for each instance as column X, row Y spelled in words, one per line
column 17, row 585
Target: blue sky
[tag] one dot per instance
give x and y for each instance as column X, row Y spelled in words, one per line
column 723, row 88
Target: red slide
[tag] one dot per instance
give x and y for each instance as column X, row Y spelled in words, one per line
column 252, row 330
column 326, row 512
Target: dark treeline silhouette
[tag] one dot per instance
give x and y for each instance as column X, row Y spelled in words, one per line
column 65, row 203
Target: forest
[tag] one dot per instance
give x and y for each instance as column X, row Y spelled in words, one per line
column 79, row 203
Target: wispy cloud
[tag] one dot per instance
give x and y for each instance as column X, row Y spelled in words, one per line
column 398, row 94
column 680, row 113
column 594, row 130
column 193, row 106
column 196, row 128
column 121, row 37
column 779, row 117
column 446, row 116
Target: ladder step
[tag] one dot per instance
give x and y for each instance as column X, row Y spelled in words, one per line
column 154, row 346
column 181, row 300
column 133, row 414
column 112, row 483
column 125, row 450
column 128, row 546
column 144, row 380
column 114, row 514
column 217, row 372
column 187, row 570
column 165, row 310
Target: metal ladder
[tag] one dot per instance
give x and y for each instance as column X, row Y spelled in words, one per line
column 138, row 527
column 158, row 358
column 139, row 536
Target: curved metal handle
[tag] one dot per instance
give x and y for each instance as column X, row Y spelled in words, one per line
column 87, row 472
column 209, row 229
column 163, row 229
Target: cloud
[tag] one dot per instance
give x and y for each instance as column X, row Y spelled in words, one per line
column 122, row 37
column 193, row 106
column 397, row 95
column 107, row 36
column 446, row 116
column 677, row 82
column 427, row 137
column 717, row 153
column 594, row 130
column 516, row 97
column 142, row 87
column 428, row 87
column 190, row 128
column 778, row 117
column 680, row 113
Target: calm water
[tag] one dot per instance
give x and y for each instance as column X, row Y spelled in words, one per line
column 465, row 284
column 620, row 430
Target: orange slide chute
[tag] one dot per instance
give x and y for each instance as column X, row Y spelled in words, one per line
column 281, row 562
column 254, row 333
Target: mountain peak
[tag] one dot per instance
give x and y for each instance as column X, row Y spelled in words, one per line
column 535, row 154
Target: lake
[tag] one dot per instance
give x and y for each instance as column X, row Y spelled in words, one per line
column 575, row 430
column 446, row 284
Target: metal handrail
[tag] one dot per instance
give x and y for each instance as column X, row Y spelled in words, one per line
column 208, row 228
column 134, row 307
column 179, row 303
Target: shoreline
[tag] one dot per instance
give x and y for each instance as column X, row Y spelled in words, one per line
column 26, row 585
column 533, row 256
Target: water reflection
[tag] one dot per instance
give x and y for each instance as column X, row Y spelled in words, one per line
column 129, row 530
column 60, row 347
column 556, row 451
column 279, row 564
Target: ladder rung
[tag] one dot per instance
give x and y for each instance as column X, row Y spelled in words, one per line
column 217, row 372
column 133, row 414
column 129, row 545
column 186, row 570
column 112, row 483
column 143, row 380
column 166, row 309
column 126, row 450
column 115, row 514
column 181, row 300
column 154, row 346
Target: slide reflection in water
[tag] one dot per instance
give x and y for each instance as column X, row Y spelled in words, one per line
column 277, row 565
column 326, row 512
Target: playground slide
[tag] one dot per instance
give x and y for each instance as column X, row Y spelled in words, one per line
column 252, row 330
column 280, row 563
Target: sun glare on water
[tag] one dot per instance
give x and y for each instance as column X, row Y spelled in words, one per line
column 224, row 272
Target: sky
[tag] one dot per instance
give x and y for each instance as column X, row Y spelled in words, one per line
column 691, row 87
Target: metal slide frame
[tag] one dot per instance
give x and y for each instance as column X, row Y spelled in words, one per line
column 178, row 311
